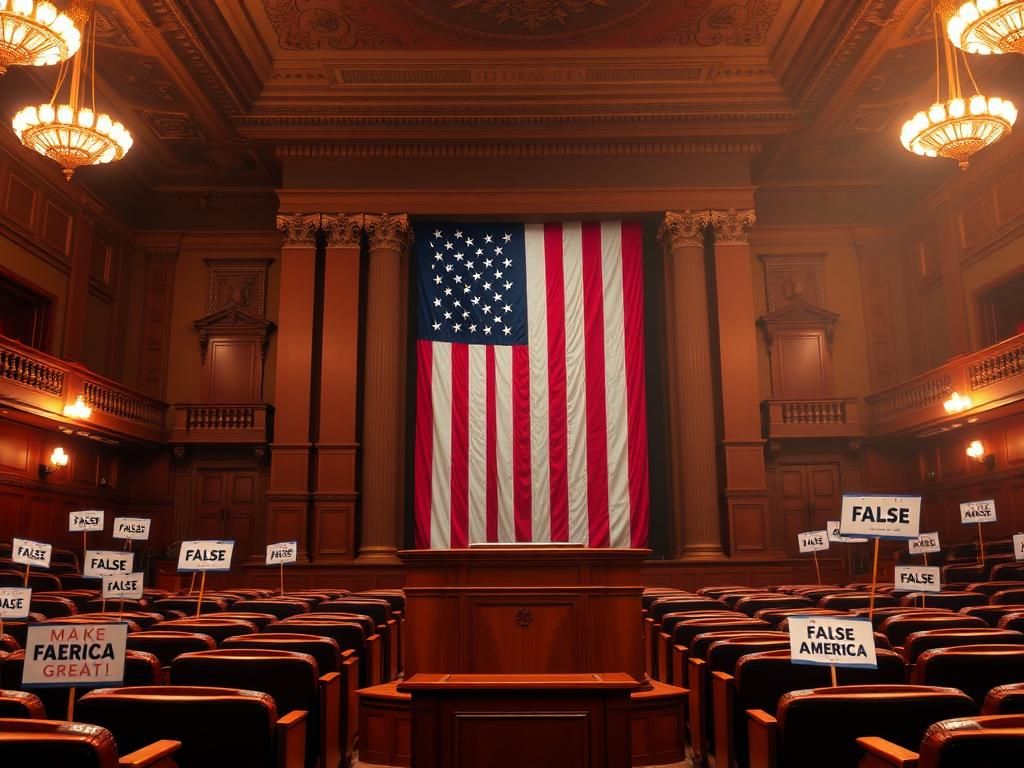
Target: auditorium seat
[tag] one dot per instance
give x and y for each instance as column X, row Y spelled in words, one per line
column 969, row 572
column 1013, row 621
column 919, row 642
column 218, row 628
column 144, row 619
column 364, row 621
column 882, row 614
column 1007, row 572
column 80, row 597
column 349, row 636
column 291, row 679
column 18, row 628
column 217, row 727
column 848, row 601
column 259, row 619
column 991, row 587
column 99, row 605
column 1007, row 596
column 386, row 625
column 396, row 597
column 682, row 604
column 188, row 605
column 80, row 618
column 662, row 637
column 991, row 614
column 715, row 591
column 965, row 742
column 731, row 598
column 897, row 627
column 953, row 601
column 974, row 669
column 753, row 604
column 52, row 606
column 21, row 704
column 1005, row 700
column 686, row 631
column 776, row 616
column 75, row 745
column 817, row 593
column 167, row 645
column 279, row 607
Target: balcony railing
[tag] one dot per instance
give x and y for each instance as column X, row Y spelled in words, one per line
column 222, row 423
column 812, row 417
column 33, row 381
column 990, row 377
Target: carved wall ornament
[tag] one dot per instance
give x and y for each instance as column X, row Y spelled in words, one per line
column 735, row 22
column 389, row 232
column 299, row 229
column 324, row 24
column 798, row 314
column 343, row 230
column 683, row 229
column 531, row 14
column 524, row 618
column 110, row 28
column 237, row 282
column 236, row 322
column 732, row 226
column 790, row 276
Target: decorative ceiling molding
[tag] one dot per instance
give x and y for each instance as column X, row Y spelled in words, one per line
column 507, row 149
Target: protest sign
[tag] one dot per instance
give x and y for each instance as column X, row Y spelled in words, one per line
column 925, row 543
column 917, row 578
column 832, row 641
column 983, row 511
column 124, row 586
column 28, row 552
column 205, row 556
column 15, row 602
column 86, row 520
column 881, row 517
column 133, row 528
column 72, row 655
column 813, row 541
column 283, row 552
column 837, row 538
column 99, row 562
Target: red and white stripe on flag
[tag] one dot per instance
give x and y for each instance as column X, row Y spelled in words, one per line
column 543, row 441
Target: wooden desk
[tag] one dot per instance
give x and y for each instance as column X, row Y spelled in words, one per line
column 524, row 610
column 512, row 721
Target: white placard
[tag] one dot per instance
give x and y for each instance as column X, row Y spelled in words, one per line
column 925, row 543
column 983, row 511
column 1018, row 546
column 86, row 520
column 102, row 562
column 15, row 602
column 881, row 517
column 917, row 578
column 205, row 556
column 74, row 655
column 135, row 528
column 836, row 537
column 122, row 587
column 34, row 553
column 832, row 641
column 282, row 552
column 813, row 541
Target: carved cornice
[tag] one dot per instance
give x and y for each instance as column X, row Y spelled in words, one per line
column 686, row 229
column 299, row 229
column 343, row 230
column 732, row 227
column 389, row 232
column 307, row 151
column 165, row 255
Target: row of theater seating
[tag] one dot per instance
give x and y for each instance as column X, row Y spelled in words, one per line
column 961, row 656
column 241, row 678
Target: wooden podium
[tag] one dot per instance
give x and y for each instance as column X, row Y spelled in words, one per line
column 524, row 610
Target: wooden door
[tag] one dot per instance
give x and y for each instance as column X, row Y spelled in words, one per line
column 810, row 496
column 226, row 503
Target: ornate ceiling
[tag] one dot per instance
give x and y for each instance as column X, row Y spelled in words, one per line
column 221, row 93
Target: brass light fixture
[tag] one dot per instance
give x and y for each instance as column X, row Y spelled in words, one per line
column 70, row 131
column 35, row 32
column 58, row 459
column 985, row 26
column 957, row 127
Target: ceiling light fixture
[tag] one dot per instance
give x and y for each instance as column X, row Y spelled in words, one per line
column 35, row 33
column 985, row 26
column 78, row 409
column 72, row 133
column 957, row 403
column 957, row 127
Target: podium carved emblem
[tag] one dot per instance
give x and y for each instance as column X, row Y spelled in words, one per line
column 524, row 618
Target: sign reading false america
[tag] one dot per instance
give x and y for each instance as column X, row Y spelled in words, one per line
column 283, row 552
column 125, row 586
column 925, row 543
column 983, row 511
column 832, row 641
column 1018, row 546
column 99, row 562
column 837, row 538
column 28, row 552
column 813, row 541
column 134, row 528
column 917, row 578
column 881, row 517
column 15, row 602
column 205, row 555
column 73, row 655
column 86, row 520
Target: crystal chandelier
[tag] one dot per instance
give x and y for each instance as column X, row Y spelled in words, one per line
column 34, row 32
column 957, row 127
column 71, row 132
column 985, row 26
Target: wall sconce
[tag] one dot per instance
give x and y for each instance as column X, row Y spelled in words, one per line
column 976, row 450
column 78, row 409
column 957, row 403
column 58, row 459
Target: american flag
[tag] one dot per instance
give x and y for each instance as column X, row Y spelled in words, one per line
column 530, row 403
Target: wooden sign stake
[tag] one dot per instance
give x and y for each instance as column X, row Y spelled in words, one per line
column 27, row 569
column 833, row 668
column 120, row 610
column 202, row 588
column 282, row 578
column 71, row 704
column 1, row 626
column 874, row 584
column 85, row 549
column 103, row 605
column 981, row 546
column 192, row 584
column 817, row 568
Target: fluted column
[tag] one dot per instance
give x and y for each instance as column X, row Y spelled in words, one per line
column 384, row 371
column 746, row 491
column 697, row 529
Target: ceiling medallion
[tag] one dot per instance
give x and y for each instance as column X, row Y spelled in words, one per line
column 957, row 127
column 33, row 32
column 71, row 132
column 531, row 14
column 985, row 26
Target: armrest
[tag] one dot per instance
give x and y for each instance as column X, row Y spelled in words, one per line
column 696, row 679
column 763, row 730
column 155, row 755
column 723, row 692
column 880, row 753
column 333, row 730
column 291, row 739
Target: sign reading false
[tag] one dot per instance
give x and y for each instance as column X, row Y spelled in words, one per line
column 282, row 552
column 205, row 556
column 925, row 543
column 917, row 578
column 836, row 537
column 86, row 520
column 134, row 528
column 73, row 655
column 99, row 562
column 28, row 552
column 978, row 511
column 122, row 586
column 1018, row 546
column 15, row 602
column 881, row 517
column 813, row 541
column 832, row 641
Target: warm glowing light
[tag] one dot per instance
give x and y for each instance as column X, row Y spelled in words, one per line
column 986, row 26
column 78, row 409
column 58, row 458
column 976, row 450
column 957, row 403
column 34, row 32
column 958, row 128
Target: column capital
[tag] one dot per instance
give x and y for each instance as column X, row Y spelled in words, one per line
column 299, row 229
column 343, row 230
column 161, row 254
column 389, row 232
column 679, row 229
column 732, row 227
